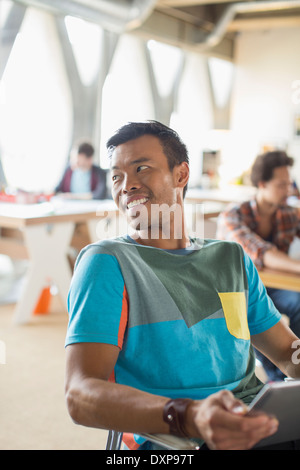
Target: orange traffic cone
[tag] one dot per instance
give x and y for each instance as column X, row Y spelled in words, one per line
column 44, row 301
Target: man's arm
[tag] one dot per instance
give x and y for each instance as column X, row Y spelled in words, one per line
column 95, row 402
column 60, row 186
column 276, row 343
column 275, row 259
column 232, row 227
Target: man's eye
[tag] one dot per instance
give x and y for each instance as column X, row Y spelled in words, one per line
column 142, row 167
column 115, row 177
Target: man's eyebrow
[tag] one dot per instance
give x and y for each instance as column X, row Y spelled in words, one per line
column 140, row 160
column 134, row 162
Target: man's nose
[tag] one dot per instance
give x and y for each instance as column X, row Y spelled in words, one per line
column 130, row 183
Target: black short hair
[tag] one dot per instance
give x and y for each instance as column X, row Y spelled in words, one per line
column 173, row 147
column 264, row 165
column 86, row 148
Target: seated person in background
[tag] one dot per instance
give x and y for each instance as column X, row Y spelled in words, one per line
column 82, row 179
column 161, row 324
column 265, row 227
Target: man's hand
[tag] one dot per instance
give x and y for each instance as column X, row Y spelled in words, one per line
column 222, row 422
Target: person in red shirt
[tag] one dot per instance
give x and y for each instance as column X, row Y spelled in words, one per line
column 82, row 179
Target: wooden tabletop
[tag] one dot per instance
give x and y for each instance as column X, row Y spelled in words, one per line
column 280, row 279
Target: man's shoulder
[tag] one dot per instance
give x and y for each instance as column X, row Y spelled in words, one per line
column 226, row 246
column 222, row 256
column 291, row 210
column 241, row 205
column 288, row 217
column 107, row 245
column 210, row 242
column 68, row 169
column 109, row 250
column 233, row 209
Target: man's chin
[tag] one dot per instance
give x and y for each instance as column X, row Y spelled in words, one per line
column 136, row 224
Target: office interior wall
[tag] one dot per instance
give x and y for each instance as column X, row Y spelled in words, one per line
column 266, row 94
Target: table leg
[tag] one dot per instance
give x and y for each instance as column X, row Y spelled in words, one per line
column 47, row 247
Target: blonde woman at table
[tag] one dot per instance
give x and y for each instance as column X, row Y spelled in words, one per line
column 266, row 227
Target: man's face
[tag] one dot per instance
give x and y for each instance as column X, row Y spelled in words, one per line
column 141, row 179
column 81, row 161
column 277, row 189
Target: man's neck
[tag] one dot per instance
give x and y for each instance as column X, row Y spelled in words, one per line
column 164, row 244
column 168, row 239
column 167, row 233
column 265, row 208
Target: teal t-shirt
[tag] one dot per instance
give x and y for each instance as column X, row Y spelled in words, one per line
column 182, row 319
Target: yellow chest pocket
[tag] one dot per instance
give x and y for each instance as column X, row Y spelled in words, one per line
column 235, row 311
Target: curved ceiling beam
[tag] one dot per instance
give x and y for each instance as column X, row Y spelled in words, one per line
column 117, row 16
column 234, row 9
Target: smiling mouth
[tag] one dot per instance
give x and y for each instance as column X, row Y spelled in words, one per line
column 136, row 202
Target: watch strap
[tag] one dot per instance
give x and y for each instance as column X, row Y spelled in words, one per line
column 174, row 414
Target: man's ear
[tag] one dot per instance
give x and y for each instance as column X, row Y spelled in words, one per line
column 182, row 174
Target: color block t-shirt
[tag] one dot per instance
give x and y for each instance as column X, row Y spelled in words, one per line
column 182, row 319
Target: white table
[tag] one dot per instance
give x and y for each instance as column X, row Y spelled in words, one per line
column 43, row 233
column 226, row 195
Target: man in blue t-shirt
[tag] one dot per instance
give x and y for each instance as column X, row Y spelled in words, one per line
column 162, row 325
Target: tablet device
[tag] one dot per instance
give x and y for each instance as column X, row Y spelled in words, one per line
column 281, row 400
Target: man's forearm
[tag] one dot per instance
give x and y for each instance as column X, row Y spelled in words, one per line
column 292, row 365
column 276, row 259
column 97, row 403
column 100, row 404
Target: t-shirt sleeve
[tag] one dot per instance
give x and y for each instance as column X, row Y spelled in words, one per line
column 97, row 301
column 262, row 313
